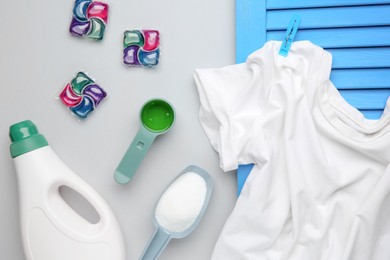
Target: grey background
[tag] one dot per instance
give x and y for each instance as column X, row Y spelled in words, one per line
column 38, row 57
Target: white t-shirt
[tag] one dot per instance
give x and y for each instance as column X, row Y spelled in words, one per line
column 320, row 187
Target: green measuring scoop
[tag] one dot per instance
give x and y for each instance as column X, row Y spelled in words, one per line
column 157, row 117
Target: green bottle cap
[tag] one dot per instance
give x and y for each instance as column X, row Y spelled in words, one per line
column 25, row 138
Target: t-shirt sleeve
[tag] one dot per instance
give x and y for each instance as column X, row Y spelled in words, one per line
column 232, row 100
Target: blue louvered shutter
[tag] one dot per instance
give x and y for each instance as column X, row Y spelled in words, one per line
column 356, row 32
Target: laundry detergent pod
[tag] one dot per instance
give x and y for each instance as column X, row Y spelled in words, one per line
column 141, row 47
column 89, row 19
column 82, row 95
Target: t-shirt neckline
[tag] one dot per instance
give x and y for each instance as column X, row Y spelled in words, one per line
column 341, row 115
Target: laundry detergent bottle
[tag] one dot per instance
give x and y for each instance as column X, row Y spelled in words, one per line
column 51, row 229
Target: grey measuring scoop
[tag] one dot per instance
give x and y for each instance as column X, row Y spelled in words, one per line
column 157, row 117
column 179, row 209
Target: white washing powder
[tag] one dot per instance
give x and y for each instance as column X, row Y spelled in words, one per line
column 182, row 202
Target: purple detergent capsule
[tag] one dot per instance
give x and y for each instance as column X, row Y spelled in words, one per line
column 89, row 19
column 141, row 47
column 82, row 95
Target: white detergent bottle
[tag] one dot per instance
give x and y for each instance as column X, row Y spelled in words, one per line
column 51, row 229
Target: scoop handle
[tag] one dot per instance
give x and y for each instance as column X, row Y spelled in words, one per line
column 134, row 155
column 156, row 245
